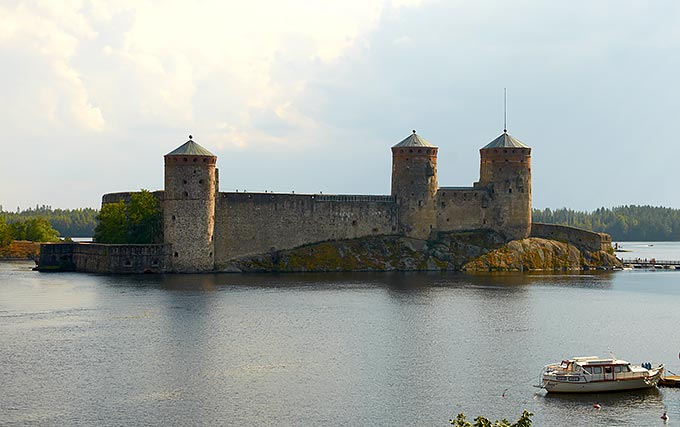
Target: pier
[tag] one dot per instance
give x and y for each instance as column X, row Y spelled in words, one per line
column 651, row 263
column 670, row 381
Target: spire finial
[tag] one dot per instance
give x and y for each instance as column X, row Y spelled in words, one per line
column 414, row 131
column 191, row 137
column 505, row 110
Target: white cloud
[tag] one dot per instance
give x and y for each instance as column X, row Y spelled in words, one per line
column 43, row 90
column 277, row 78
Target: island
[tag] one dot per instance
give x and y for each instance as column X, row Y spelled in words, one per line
column 420, row 226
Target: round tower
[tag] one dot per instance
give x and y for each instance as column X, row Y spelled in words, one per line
column 414, row 184
column 505, row 170
column 189, row 207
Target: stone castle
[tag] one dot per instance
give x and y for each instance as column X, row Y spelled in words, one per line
column 205, row 230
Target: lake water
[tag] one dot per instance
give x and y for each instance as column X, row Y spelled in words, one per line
column 386, row 349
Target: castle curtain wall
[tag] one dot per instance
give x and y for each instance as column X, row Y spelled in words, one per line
column 461, row 209
column 256, row 223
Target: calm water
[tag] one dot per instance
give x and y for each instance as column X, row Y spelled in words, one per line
column 325, row 349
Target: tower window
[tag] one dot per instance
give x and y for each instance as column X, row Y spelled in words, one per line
column 354, row 223
column 205, row 160
column 176, row 254
column 185, row 159
column 186, row 194
column 410, row 151
column 184, row 181
column 509, row 190
column 200, row 181
column 174, row 218
column 195, row 159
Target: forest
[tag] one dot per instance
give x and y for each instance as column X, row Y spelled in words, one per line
column 623, row 223
column 68, row 222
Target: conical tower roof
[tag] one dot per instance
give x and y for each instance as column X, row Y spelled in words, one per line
column 413, row 140
column 505, row 140
column 190, row 148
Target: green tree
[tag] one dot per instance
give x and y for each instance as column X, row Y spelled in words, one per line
column 138, row 221
column 112, row 224
column 40, row 230
column 5, row 234
column 19, row 230
column 144, row 218
column 461, row 421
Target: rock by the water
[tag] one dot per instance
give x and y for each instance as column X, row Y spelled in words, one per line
column 460, row 251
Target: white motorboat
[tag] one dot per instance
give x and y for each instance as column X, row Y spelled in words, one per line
column 594, row 374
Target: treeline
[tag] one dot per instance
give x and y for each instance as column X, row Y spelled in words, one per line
column 623, row 223
column 68, row 222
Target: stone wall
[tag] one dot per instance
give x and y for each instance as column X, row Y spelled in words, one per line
column 578, row 237
column 124, row 196
column 461, row 208
column 100, row 258
column 256, row 223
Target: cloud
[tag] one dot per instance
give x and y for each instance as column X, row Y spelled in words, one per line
column 41, row 87
column 269, row 80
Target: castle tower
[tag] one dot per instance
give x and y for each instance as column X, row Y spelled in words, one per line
column 189, row 207
column 414, row 184
column 505, row 170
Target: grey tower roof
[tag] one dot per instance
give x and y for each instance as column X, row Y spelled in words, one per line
column 413, row 140
column 190, row 148
column 505, row 141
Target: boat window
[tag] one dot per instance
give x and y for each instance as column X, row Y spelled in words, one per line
column 597, row 369
column 617, row 369
column 607, row 369
column 587, row 369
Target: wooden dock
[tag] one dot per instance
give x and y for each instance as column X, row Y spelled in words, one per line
column 670, row 381
column 651, row 263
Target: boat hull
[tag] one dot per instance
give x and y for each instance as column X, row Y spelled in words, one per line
column 552, row 386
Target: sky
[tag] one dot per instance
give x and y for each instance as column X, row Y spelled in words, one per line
column 309, row 96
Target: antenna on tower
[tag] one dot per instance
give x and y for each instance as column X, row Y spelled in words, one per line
column 505, row 110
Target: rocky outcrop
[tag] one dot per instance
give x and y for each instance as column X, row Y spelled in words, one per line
column 460, row 251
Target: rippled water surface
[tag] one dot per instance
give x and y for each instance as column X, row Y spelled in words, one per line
column 325, row 349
